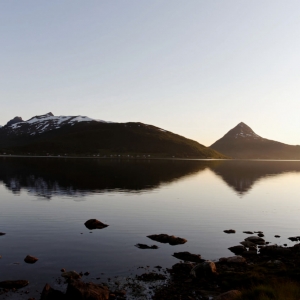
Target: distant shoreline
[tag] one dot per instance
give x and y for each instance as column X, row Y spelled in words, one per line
column 113, row 157
column 145, row 158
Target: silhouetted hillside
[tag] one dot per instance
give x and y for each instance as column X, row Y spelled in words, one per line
column 48, row 134
column 242, row 142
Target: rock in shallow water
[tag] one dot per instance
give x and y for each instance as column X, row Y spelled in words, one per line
column 275, row 250
column 70, row 275
column 248, row 244
column 229, row 231
column 182, row 268
column 237, row 249
column 206, row 268
column 233, row 259
column 30, row 259
column 187, row 256
column 94, row 224
column 144, row 246
column 49, row 293
column 170, row 239
column 13, row 284
column 256, row 240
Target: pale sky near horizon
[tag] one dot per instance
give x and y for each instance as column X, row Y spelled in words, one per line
column 196, row 68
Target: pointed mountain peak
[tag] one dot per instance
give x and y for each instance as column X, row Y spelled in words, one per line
column 33, row 119
column 242, row 130
column 14, row 121
column 243, row 126
column 49, row 114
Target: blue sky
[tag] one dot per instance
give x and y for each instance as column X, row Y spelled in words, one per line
column 196, row 68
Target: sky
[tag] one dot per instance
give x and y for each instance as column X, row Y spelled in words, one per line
column 196, row 68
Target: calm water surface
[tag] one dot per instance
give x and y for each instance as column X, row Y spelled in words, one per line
column 45, row 202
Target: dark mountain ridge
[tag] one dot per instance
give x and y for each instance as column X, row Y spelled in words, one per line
column 243, row 143
column 79, row 135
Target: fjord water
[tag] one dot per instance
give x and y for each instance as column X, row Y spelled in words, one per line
column 45, row 202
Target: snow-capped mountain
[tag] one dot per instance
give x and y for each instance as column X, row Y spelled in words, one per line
column 43, row 123
column 78, row 135
column 243, row 142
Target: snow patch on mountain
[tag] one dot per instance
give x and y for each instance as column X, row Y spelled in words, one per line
column 247, row 135
column 60, row 119
column 244, row 131
column 47, row 122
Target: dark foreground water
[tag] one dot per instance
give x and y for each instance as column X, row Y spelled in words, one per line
column 45, row 202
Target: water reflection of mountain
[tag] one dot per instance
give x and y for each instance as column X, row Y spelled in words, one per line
column 78, row 177
column 242, row 175
column 47, row 177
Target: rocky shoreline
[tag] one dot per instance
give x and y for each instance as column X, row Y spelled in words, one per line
column 255, row 263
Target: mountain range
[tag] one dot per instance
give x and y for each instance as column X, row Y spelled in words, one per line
column 243, row 143
column 78, row 135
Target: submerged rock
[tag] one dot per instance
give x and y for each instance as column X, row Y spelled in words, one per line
column 229, row 231
column 30, row 259
column 144, row 246
column 94, row 224
column 187, row 256
column 78, row 290
column 13, row 284
column 170, row 239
